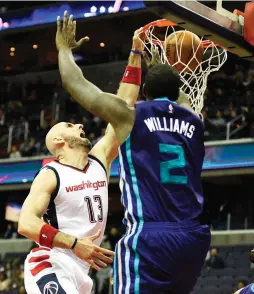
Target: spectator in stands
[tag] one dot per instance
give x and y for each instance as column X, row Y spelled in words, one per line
column 27, row 148
column 220, row 96
column 92, row 138
column 219, row 121
column 21, row 128
column 87, row 123
column 4, row 281
column 105, row 243
column 22, row 290
column 215, row 261
column 8, row 269
column 15, row 153
column 17, row 278
column 114, row 236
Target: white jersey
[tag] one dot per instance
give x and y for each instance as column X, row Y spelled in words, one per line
column 79, row 206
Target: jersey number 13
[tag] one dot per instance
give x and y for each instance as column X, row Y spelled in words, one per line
column 90, row 201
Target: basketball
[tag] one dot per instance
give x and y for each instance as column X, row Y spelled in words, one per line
column 182, row 48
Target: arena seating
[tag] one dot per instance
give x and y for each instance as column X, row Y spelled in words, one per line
column 211, row 281
column 224, row 281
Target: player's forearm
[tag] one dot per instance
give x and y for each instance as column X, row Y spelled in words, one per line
column 127, row 91
column 69, row 70
column 31, row 229
column 107, row 106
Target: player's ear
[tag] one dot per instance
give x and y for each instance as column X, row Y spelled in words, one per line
column 58, row 141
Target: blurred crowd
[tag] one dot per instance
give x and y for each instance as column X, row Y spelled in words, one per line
column 29, row 109
column 12, row 276
column 12, row 267
column 217, row 261
column 230, row 98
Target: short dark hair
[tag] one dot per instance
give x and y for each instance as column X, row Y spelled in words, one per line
column 244, row 282
column 162, row 81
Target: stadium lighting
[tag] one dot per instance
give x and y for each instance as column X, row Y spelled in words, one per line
column 102, row 9
column 110, row 9
column 93, row 9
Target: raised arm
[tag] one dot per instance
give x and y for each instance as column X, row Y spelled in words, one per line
column 107, row 148
column 107, row 106
column 129, row 88
column 34, row 228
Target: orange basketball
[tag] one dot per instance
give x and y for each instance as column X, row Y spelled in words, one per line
column 184, row 46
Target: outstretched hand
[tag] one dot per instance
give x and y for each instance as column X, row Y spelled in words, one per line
column 66, row 33
column 96, row 256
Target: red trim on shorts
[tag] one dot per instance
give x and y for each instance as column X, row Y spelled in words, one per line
column 40, row 248
column 41, row 266
column 38, row 258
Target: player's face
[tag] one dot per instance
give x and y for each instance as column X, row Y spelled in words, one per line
column 74, row 135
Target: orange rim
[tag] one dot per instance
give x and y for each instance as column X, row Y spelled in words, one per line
column 158, row 23
column 166, row 23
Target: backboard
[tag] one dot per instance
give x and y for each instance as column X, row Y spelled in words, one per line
column 220, row 25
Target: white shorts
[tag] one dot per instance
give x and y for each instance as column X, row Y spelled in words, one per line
column 50, row 271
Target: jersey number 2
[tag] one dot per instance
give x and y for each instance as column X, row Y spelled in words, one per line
column 166, row 166
column 89, row 202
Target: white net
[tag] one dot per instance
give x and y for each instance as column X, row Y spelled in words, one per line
column 194, row 80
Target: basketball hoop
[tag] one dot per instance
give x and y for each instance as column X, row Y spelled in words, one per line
column 194, row 80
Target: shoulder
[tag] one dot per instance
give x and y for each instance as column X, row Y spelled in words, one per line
column 49, row 173
column 50, row 169
column 47, row 179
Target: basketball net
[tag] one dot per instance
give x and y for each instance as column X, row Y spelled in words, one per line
column 194, row 81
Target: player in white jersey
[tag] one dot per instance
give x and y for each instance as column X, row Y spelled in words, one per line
column 72, row 194
column 72, row 191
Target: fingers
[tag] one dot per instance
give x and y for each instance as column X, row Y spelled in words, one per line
column 93, row 265
column 146, row 58
column 58, row 23
column 104, row 251
column 65, row 19
column 99, row 262
column 70, row 21
column 157, row 54
column 97, row 235
column 66, row 22
column 103, row 257
column 138, row 32
column 74, row 27
column 79, row 43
